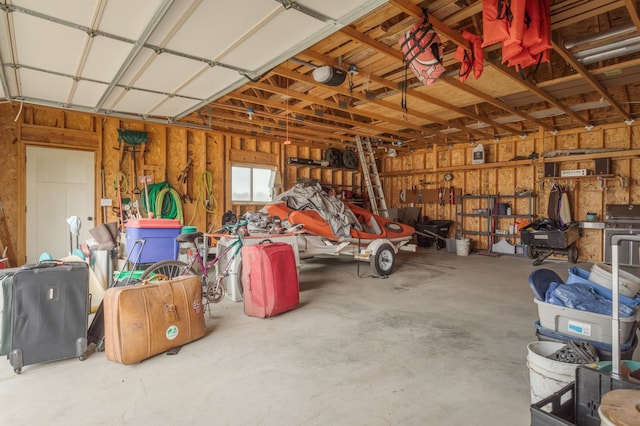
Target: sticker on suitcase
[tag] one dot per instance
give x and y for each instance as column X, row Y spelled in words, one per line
column 196, row 306
column 172, row 332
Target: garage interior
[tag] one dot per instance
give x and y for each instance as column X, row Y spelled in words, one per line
column 213, row 87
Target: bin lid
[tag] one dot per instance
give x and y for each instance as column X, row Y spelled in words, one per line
column 153, row 223
column 188, row 229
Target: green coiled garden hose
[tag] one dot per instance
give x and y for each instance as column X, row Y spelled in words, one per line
column 165, row 202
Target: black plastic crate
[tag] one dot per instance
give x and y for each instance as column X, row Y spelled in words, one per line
column 438, row 227
column 578, row 402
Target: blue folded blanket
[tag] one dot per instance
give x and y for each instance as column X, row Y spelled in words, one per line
column 582, row 297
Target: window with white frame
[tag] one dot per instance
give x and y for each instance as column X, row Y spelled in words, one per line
column 251, row 184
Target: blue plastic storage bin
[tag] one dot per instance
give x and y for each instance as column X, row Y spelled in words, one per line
column 160, row 239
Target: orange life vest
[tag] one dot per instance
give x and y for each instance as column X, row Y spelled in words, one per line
column 494, row 22
column 527, row 38
column 470, row 61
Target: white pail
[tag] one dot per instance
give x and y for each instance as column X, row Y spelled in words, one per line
column 463, row 246
column 547, row 376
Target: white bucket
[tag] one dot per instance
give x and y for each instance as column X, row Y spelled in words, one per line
column 547, row 376
column 601, row 274
column 462, row 247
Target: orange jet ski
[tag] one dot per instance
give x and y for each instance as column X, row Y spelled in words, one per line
column 325, row 215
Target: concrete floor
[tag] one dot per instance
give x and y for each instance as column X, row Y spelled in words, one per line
column 442, row 341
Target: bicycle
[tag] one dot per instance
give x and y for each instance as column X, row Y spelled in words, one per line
column 212, row 290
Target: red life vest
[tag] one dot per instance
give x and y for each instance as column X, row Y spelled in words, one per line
column 422, row 50
column 470, row 61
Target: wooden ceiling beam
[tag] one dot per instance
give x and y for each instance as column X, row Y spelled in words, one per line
column 248, row 98
column 383, row 48
column 539, row 92
column 467, row 12
column 376, row 129
column 558, row 46
column 571, row 14
column 263, row 126
column 384, row 104
column 443, row 30
column 633, row 13
column 453, row 81
column 419, row 95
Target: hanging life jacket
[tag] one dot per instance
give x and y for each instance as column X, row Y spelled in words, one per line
column 495, row 21
column 422, row 51
column 470, row 61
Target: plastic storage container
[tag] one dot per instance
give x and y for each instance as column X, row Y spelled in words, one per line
column 582, row 324
column 629, row 283
column 438, row 227
column 604, row 349
column 160, row 236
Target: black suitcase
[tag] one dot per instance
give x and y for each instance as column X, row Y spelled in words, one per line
column 50, row 305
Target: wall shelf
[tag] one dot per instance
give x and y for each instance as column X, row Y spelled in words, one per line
column 585, row 157
column 579, row 177
column 489, row 220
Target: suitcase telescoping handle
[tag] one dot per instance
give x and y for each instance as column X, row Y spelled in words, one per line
column 616, row 242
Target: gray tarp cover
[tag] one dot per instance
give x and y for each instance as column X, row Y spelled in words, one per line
column 332, row 210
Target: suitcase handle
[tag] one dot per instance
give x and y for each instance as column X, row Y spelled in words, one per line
column 43, row 264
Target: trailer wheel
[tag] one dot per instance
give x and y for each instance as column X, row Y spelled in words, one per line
column 572, row 254
column 383, row 260
column 531, row 252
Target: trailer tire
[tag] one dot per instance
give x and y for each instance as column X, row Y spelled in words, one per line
column 384, row 259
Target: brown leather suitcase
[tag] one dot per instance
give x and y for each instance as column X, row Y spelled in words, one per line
column 144, row 320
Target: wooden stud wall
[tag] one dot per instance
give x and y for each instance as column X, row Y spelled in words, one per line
column 164, row 157
column 421, row 172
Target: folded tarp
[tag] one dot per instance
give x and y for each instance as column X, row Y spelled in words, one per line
column 584, row 298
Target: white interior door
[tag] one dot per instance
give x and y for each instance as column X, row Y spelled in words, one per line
column 60, row 184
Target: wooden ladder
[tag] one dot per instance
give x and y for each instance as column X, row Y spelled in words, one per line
column 371, row 177
column 5, row 240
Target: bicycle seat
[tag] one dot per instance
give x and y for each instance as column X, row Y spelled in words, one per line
column 188, row 238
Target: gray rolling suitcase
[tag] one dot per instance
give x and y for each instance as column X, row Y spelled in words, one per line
column 50, row 304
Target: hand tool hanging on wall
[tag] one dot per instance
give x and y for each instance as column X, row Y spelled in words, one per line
column 441, row 195
column 133, row 138
column 183, row 179
column 145, row 180
column 120, row 185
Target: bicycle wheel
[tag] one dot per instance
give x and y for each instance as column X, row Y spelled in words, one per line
column 167, row 269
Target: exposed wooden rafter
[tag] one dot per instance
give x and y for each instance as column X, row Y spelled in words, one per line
column 498, row 104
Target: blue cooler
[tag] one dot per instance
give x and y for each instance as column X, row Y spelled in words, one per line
column 160, row 239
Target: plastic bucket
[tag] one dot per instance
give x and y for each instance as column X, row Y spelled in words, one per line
column 462, row 247
column 602, row 274
column 547, row 376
